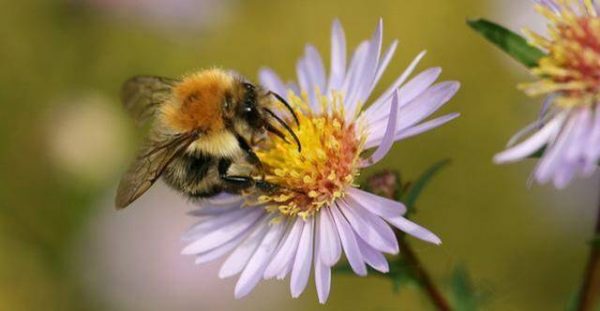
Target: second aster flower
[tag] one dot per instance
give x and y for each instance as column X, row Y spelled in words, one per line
column 319, row 212
column 568, row 130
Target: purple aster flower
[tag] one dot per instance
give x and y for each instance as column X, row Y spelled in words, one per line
column 319, row 213
column 569, row 126
column 194, row 14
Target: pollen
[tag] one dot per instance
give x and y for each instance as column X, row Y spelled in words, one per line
column 571, row 69
column 328, row 163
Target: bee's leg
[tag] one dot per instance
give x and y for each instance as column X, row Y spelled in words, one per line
column 251, row 157
column 236, row 183
column 233, row 183
column 265, row 186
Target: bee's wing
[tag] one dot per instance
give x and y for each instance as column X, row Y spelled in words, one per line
column 141, row 95
column 156, row 154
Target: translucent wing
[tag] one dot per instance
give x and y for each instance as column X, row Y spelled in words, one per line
column 141, row 95
column 157, row 153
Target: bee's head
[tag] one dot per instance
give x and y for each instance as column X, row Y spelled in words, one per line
column 252, row 109
column 249, row 106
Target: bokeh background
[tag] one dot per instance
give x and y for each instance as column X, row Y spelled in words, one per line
column 64, row 140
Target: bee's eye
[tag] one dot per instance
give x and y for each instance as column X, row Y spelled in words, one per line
column 248, row 86
column 249, row 98
column 250, row 112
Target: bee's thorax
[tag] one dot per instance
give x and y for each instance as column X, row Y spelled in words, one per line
column 197, row 102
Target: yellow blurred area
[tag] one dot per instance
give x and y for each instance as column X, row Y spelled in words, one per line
column 65, row 141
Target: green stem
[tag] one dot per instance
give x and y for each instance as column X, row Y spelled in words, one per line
column 387, row 184
column 421, row 274
column 589, row 298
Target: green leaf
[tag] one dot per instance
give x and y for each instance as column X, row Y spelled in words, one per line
column 462, row 290
column 412, row 194
column 510, row 42
column 345, row 268
column 595, row 242
column 465, row 295
column 400, row 274
column 572, row 302
column 538, row 154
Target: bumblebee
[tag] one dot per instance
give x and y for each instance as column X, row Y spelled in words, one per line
column 203, row 126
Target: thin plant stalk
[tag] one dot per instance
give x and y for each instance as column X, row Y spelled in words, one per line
column 432, row 292
column 589, row 297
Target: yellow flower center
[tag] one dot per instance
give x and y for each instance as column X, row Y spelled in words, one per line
column 326, row 166
column 571, row 68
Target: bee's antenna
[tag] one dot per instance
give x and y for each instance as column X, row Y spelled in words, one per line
column 275, row 131
column 287, row 105
column 285, row 126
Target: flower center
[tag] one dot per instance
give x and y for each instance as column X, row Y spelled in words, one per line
column 572, row 67
column 327, row 165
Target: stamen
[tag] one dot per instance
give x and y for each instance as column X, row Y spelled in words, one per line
column 328, row 164
column 571, row 69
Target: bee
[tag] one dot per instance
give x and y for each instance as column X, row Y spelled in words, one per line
column 202, row 125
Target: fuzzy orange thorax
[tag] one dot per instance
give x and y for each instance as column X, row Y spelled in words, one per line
column 197, row 102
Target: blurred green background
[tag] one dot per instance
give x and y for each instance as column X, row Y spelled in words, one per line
column 65, row 140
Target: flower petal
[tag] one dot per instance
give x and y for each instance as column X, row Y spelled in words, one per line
column 534, row 126
column 293, row 87
column 222, row 249
column 271, row 81
column 593, row 145
column 426, row 103
column 554, row 155
column 370, row 228
column 330, row 248
column 285, row 270
column 223, row 199
column 425, row 126
column 375, row 204
column 306, row 85
column 419, row 108
column 390, row 90
column 578, row 142
column 219, row 235
column 212, row 220
column 286, row 250
column 253, row 271
column 564, row 174
column 371, row 65
column 349, row 243
column 408, row 92
column 533, row 143
column 303, row 260
column 355, row 64
column 551, row 4
column 414, row 130
column 388, row 136
column 365, row 75
column 338, row 57
column 315, row 68
column 419, row 84
column 238, row 259
column 209, row 210
column 373, row 257
column 322, row 281
column 387, row 57
column 413, row 229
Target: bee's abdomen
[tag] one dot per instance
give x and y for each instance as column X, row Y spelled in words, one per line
column 195, row 175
